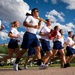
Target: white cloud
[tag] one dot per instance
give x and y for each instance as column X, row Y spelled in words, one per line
column 71, row 25
column 71, row 4
column 11, row 10
column 3, row 35
column 54, row 1
column 55, row 16
column 5, row 23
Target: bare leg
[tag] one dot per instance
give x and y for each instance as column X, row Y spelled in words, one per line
column 62, row 56
column 26, row 62
column 70, row 58
column 20, row 53
column 10, row 53
column 33, row 58
column 38, row 54
column 54, row 53
column 16, row 51
column 67, row 57
column 46, row 57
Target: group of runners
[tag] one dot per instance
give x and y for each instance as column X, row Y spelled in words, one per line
column 41, row 48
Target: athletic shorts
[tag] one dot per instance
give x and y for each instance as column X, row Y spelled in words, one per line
column 13, row 43
column 29, row 39
column 45, row 45
column 31, row 51
column 57, row 45
column 70, row 51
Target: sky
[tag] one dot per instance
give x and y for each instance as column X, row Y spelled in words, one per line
column 60, row 12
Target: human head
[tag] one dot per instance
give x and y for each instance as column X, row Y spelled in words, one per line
column 48, row 22
column 73, row 37
column 56, row 28
column 61, row 31
column 15, row 24
column 35, row 12
column 70, row 33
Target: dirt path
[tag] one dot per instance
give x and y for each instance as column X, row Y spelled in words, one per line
column 36, row 71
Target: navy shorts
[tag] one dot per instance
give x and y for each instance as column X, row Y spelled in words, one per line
column 45, row 45
column 13, row 44
column 31, row 51
column 70, row 51
column 57, row 45
column 29, row 39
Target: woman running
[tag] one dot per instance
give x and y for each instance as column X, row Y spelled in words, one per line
column 13, row 46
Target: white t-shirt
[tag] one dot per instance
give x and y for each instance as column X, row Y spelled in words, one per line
column 70, row 41
column 45, row 29
column 73, row 45
column 59, row 34
column 62, row 40
column 33, row 21
column 15, row 32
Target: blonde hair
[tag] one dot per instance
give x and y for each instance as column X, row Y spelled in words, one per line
column 13, row 24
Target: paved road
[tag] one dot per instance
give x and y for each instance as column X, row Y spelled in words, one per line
column 36, row 71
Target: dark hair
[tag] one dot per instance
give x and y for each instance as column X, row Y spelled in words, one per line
column 73, row 36
column 47, row 19
column 60, row 30
column 33, row 10
column 69, row 32
column 55, row 27
column 28, row 14
column 13, row 23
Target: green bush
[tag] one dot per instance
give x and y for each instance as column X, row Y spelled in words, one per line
column 4, row 49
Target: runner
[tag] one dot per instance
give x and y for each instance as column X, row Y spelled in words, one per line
column 70, row 42
column 45, row 41
column 13, row 46
column 29, row 39
column 57, row 46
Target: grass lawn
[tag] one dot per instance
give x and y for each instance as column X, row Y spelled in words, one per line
column 53, row 65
